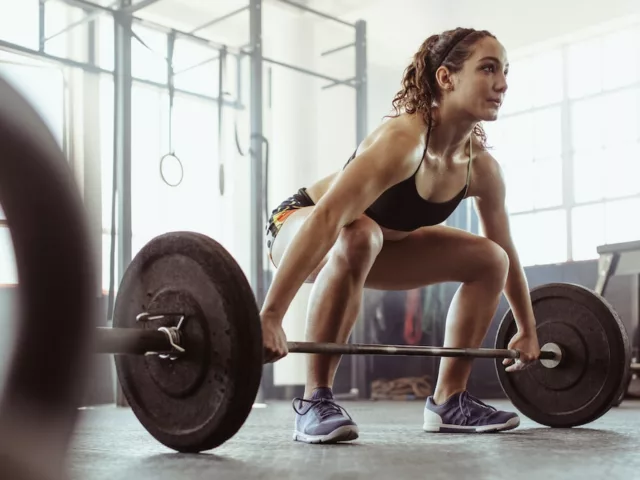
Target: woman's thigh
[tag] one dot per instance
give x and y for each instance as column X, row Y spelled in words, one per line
column 434, row 255
column 358, row 242
column 286, row 233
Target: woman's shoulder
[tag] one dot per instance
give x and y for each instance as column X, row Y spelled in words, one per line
column 486, row 171
column 402, row 128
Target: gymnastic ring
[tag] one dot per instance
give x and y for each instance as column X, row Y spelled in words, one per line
column 164, row 179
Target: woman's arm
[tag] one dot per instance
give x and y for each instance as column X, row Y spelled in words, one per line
column 494, row 221
column 390, row 158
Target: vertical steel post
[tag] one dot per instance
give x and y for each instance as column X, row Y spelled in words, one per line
column 122, row 130
column 359, row 363
column 257, row 176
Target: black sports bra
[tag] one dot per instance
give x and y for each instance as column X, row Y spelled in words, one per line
column 401, row 207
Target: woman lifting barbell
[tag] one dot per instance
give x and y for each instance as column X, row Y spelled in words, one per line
column 377, row 224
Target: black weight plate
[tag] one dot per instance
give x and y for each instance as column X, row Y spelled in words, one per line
column 596, row 358
column 200, row 400
column 43, row 377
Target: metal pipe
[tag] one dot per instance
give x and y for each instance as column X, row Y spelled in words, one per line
column 361, row 349
column 199, row 64
column 88, row 5
column 87, row 18
column 221, row 79
column 239, row 80
column 257, row 178
column 138, row 6
column 316, row 12
column 333, row 84
column 131, row 341
column 361, row 81
column 187, row 93
column 42, row 25
column 635, row 367
column 308, row 72
column 359, row 366
column 337, row 49
column 12, row 47
column 123, row 80
column 190, row 36
column 220, row 19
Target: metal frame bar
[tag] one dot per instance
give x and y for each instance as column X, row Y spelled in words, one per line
column 222, row 63
column 220, row 19
column 337, row 49
column 85, row 5
column 316, row 12
column 92, row 41
column 190, row 36
column 179, row 92
column 309, row 72
column 15, row 48
column 239, row 80
column 122, row 129
column 351, row 81
column 361, row 80
column 42, row 24
column 138, row 6
column 257, row 176
column 90, row 16
column 199, row 64
column 360, row 365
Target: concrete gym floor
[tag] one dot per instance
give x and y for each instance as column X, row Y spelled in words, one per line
column 110, row 444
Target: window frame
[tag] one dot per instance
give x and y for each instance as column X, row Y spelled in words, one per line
column 568, row 150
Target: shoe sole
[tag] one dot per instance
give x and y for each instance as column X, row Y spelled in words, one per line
column 341, row 434
column 444, row 428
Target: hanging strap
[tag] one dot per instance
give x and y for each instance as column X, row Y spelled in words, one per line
column 222, row 70
column 171, row 44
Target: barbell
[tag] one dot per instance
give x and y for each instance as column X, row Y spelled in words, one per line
column 186, row 330
column 188, row 340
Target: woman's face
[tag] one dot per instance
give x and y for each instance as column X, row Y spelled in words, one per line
column 479, row 88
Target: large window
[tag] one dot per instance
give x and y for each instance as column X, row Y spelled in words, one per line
column 569, row 144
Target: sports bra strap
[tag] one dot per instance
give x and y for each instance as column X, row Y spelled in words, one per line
column 470, row 159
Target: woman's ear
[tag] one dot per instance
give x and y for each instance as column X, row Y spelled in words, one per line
column 444, row 79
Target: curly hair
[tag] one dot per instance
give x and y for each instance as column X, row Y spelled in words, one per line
column 419, row 87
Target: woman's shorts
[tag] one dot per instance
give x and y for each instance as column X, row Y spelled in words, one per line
column 298, row 200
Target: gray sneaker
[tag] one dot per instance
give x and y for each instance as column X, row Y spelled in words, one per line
column 321, row 420
column 464, row 413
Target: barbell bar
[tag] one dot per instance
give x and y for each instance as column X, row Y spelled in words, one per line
column 407, row 350
column 165, row 341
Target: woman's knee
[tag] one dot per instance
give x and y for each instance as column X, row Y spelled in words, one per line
column 359, row 244
column 493, row 264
